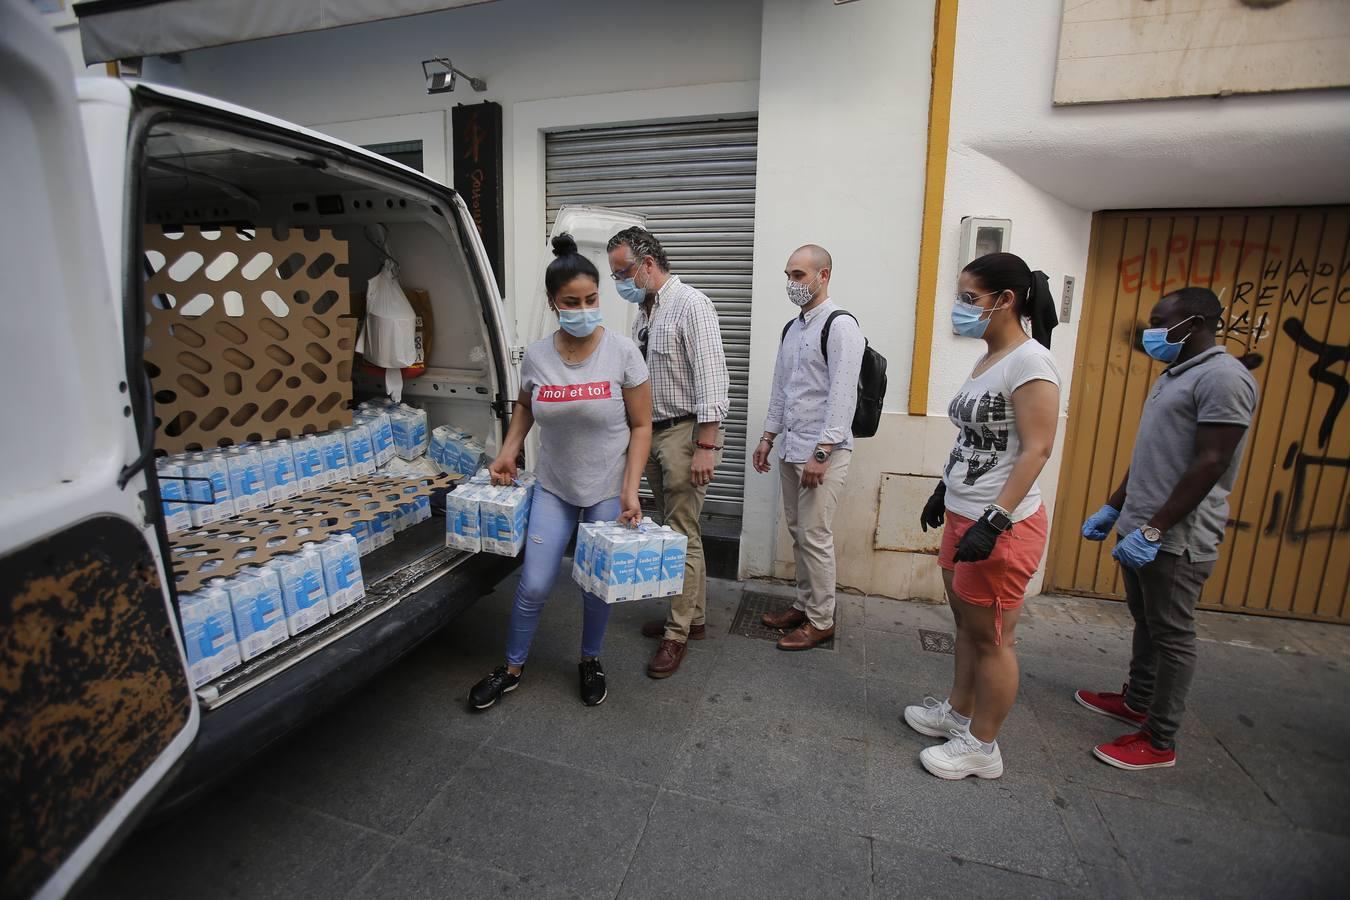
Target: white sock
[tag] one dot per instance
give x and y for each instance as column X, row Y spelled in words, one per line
column 986, row 748
column 963, row 721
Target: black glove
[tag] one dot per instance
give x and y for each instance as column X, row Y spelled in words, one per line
column 935, row 510
column 977, row 543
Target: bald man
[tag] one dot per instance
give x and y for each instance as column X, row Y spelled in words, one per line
column 815, row 390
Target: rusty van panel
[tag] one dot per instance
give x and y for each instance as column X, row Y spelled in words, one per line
column 92, row 689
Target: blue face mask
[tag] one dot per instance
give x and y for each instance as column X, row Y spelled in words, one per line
column 1159, row 347
column 579, row 322
column 629, row 290
column 967, row 318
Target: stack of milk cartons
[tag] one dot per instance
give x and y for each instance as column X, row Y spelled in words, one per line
column 617, row 563
column 333, row 450
column 341, row 559
column 248, row 482
column 462, row 529
column 208, row 634
column 308, row 462
column 360, row 449
column 259, row 616
column 278, row 470
column 504, row 517
column 456, row 451
column 409, row 427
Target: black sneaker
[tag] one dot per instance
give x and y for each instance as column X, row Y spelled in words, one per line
column 593, row 691
column 489, row 690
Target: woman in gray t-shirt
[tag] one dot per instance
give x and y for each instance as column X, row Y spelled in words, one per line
column 587, row 389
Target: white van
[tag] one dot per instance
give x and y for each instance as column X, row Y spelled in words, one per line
column 97, row 715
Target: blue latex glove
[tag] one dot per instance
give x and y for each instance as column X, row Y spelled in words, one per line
column 1135, row 550
column 1098, row 525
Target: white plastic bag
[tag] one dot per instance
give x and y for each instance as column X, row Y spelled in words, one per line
column 389, row 334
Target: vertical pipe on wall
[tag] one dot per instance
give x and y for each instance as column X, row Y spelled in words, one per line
column 939, row 120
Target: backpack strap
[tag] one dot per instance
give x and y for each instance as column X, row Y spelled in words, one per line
column 782, row 337
column 825, row 332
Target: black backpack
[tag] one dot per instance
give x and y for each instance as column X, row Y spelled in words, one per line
column 871, row 378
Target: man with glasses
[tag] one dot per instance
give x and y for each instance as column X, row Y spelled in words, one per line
column 677, row 330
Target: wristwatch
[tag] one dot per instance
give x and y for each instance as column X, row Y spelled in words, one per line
column 998, row 517
column 820, row 455
column 1151, row 534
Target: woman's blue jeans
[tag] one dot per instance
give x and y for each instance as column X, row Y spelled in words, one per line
column 552, row 524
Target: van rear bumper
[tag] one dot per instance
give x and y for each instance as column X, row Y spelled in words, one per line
column 235, row 732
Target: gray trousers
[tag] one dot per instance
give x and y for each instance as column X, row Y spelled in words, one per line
column 1162, row 598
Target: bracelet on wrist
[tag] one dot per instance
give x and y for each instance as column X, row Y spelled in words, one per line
column 702, row 446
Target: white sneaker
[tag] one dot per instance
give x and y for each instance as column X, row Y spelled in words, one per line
column 933, row 718
column 962, row 756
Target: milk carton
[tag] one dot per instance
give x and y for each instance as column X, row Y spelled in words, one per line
column 342, row 571
column 382, row 529
column 381, row 434
column 208, row 634
column 581, row 556
column 303, row 596
column 259, row 617
column 360, row 450
column 647, row 566
column 504, row 517
column 214, row 485
column 421, row 509
column 462, row 530
column 172, row 491
column 616, row 563
column 333, row 449
column 440, row 443
column 409, row 428
column 673, row 550
column 278, row 471
column 361, row 532
column 308, row 462
column 248, row 484
column 472, row 457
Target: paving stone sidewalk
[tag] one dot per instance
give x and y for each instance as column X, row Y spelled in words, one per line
column 758, row 773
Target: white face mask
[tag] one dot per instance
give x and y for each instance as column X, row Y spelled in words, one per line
column 800, row 294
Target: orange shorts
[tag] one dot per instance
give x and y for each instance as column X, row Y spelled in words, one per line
column 1001, row 580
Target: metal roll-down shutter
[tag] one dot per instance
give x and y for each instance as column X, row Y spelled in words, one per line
column 695, row 183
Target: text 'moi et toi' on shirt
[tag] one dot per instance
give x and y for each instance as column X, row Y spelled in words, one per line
column 987, row 444
column 813, row 398
column 1214, row 388
column 580, row 413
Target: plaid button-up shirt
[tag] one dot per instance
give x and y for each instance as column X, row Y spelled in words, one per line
column 682, row 343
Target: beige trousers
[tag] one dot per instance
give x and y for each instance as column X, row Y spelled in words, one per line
column 810, row 521
column 681, row 503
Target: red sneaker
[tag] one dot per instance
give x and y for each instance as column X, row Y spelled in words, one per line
column 1109, row 704
column 1134, row 751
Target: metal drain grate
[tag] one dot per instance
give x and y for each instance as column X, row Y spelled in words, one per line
column 752, row 606
column 937, row 641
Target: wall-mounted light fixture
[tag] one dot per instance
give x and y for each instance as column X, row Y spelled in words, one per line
column 440, row 76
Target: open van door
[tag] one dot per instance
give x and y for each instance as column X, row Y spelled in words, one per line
column 95, row 709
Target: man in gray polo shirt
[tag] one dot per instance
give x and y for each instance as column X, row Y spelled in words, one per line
column 1170, row 512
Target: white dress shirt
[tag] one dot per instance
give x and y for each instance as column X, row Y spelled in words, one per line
column 813, row 400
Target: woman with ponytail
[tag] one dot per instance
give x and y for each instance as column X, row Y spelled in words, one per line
column 587, row 388
column 995, row 532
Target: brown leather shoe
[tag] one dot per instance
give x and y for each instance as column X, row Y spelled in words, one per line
column 805, row 638
column 667, row 659
column 657, row 628
column 784, row 620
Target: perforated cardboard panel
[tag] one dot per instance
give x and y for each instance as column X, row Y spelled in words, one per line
column 220, row 550
column 249, row 337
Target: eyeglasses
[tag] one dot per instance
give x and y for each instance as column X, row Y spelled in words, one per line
column 627, row 270
column 969, row 299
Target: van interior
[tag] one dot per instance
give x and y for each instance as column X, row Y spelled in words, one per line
column 200, row 176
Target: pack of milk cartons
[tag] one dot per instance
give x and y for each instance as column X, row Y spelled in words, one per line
column 278, row 470
column 381, row 433
column 172, row 492
column 382, row 529
column 208, row 634
column 462, row 529
column 208, row 487
column 308, row 462
column 248, row 484
column 409, row 427
column 341, row 559
column 303, row 595
column 360, row 531
column 582, row 556
column 504, row 517
column 259, row 615
column 360, row 450
column 333, row 450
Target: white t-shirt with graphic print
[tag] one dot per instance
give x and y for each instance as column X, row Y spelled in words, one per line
column 987, row 445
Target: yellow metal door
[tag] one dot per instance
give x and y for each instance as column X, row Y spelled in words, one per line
column 1281, row 275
